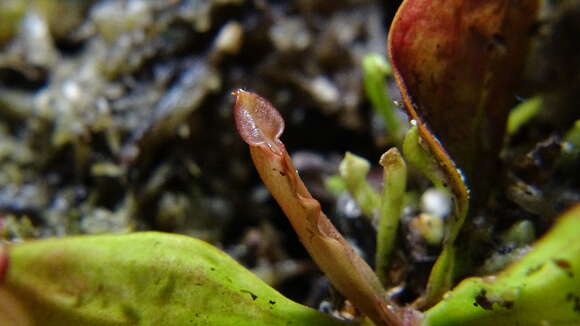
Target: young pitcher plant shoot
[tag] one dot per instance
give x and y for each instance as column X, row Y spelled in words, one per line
column 260, row 125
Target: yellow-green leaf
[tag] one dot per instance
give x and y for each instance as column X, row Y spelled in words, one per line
column 141, row 279
column 543, row 288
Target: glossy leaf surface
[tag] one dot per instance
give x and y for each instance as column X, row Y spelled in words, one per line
column 457, row 63
column 142, row 279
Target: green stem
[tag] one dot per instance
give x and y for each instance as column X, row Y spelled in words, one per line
column 376, row 69
column 354, row 169
column 395, row 180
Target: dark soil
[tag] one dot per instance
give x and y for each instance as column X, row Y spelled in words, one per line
column 117, row 118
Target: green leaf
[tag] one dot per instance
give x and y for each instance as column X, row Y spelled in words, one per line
column 543, row 288
column 143, row 279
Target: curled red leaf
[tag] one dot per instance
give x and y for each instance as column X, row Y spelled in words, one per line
column 457, row 63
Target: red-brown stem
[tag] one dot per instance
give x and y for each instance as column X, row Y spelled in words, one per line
column 347, row 271
column 4, row 263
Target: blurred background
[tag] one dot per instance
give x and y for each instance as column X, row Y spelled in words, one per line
column 115, row 116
